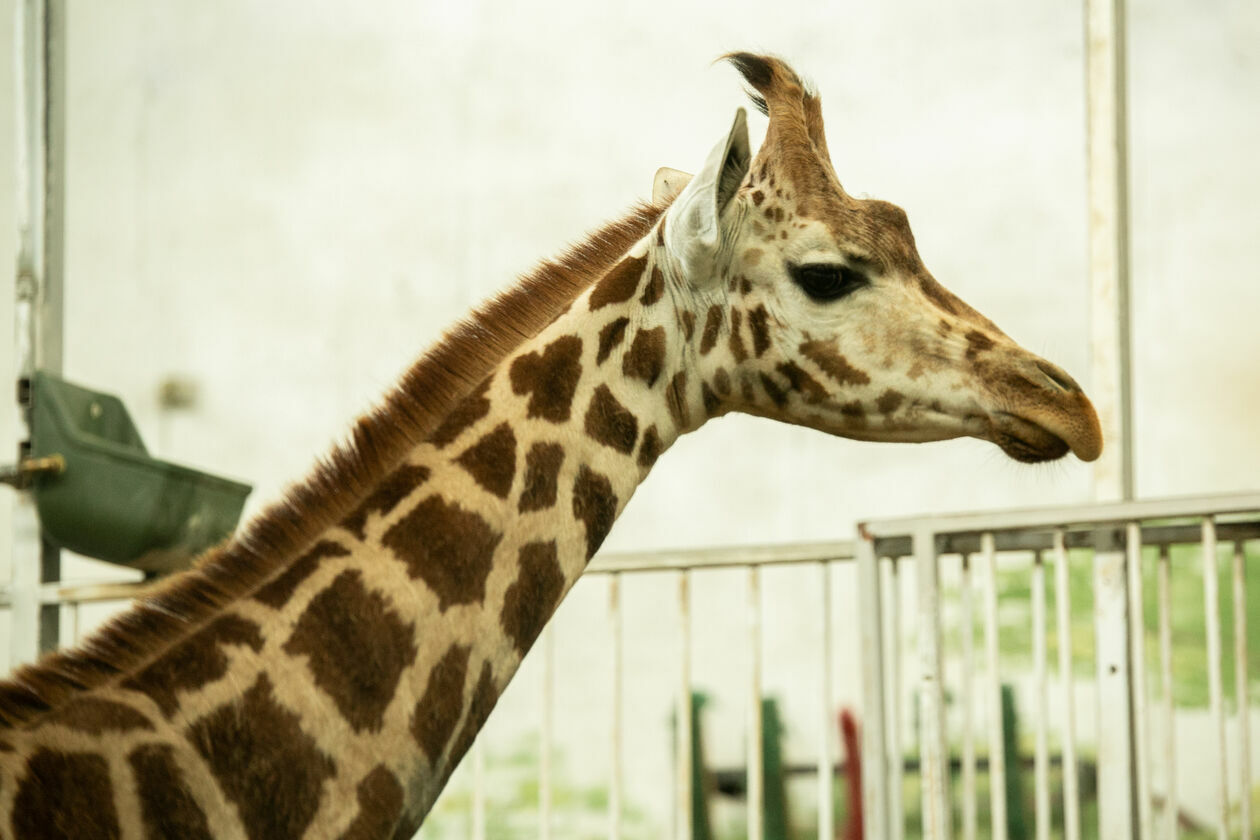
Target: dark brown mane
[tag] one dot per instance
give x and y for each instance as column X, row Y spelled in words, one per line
column 410, row 413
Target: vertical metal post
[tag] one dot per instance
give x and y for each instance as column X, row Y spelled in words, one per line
column 933, row 750
column 1172, row 808
column 615, row 782
column 993, row 680
column 1042, row 725
column 1063, row 611
column 1137, row 658
column 683, row 802
column 1216, row 701
column 1107, row 155
column 967, row 698
column 40, row 53
column 756, row 766
column 826, row 721
column 479, row 788
column 1115, row 719
column 1240, row 688
column 896, row 755
column 869, row 607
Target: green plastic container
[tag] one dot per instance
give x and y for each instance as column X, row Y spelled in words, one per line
column 115, row 502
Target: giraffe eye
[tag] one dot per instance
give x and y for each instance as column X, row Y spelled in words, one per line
column 827, row 281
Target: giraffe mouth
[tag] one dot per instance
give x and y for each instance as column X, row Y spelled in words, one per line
column 1026, row 441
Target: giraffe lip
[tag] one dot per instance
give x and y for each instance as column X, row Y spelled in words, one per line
column 1025, row 440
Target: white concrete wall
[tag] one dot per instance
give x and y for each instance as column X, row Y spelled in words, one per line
column 286, row 202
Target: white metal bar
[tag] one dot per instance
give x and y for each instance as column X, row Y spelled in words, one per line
column 1212, row 620
column 1063, row 609
column 1172, row 808
column 1113, row 675
column 686, row 822
column 756, row 777
column 1137, row 661
column 997, row 757
column 615, row 770
column 868, row 604
column 725, row 557
column 1107, row 158
column 967, row 700
column 827, row 720
column 1240, row 689
column 479, row 789
column 896, row 759
column 545, row 734
column 1042, row 725
column 933, row 750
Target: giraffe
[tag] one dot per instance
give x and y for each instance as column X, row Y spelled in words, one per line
column 322, row 673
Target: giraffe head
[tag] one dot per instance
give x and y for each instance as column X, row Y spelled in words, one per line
column 813, row 306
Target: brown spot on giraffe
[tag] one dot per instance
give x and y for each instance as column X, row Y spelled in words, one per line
column 380, row 806
column 759, row 326
column 854, row 411
column 549, row 378
column 448, row 547
column 676, row 400
column 595, row 506
column 542, row 466
column 710, row 399
column 479, row 708
column 492, row 460
column 776, row 394
column 356, row 648
column 195, row 661
column 737, row 338
column 396, row 487
column 752, row 256
column 889, row 401
column 469, row 410
column 618, row 285
column 609, row 337
column 277, row 592
column 688, row 324
column 95, row 716
column 533, row 596
column 654, row 288
column 265, row 763
column 823, row 354
column 646, row 357
column 712, row 327
column 650, row 448
column 944, row 328
column 758, row 196
column 722, row 382
column 438, row 710
column 977, row 343
column 167, row 808
column 611, row 423
column 65, row 794
column 745, row 285
column 801, row 381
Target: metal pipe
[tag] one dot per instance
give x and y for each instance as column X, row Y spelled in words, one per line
column 1212, row 620
column 868, row 603
column 1171, row 807
column 756, row 778
column 896, row 762
column 1137, row 664
column 1240, row 688
column 545, row 734
column 683, row 790
column 615, row 770
column 967, row 701
column 1042, row 725
column 1063, row 609
column 997, row 755
column 826, row 721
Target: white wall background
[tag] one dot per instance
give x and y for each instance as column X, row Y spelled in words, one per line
column 286, row 202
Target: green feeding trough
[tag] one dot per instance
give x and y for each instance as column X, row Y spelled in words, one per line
column 113, row 501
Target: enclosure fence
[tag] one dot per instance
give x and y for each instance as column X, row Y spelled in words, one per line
column 955, row 564
column 967, row 550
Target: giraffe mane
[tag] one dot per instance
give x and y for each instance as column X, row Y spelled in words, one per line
column 409, row 414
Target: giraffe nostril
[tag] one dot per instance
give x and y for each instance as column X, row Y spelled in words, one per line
column 1057, row 376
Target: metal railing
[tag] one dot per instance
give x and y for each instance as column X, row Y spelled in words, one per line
column 970, row 546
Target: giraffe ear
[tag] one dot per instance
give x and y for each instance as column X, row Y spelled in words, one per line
column 668, row 183
column 693, row 229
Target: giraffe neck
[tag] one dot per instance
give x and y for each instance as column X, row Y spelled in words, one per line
column 339, row 695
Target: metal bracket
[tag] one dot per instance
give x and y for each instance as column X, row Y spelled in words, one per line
column 24, row 474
